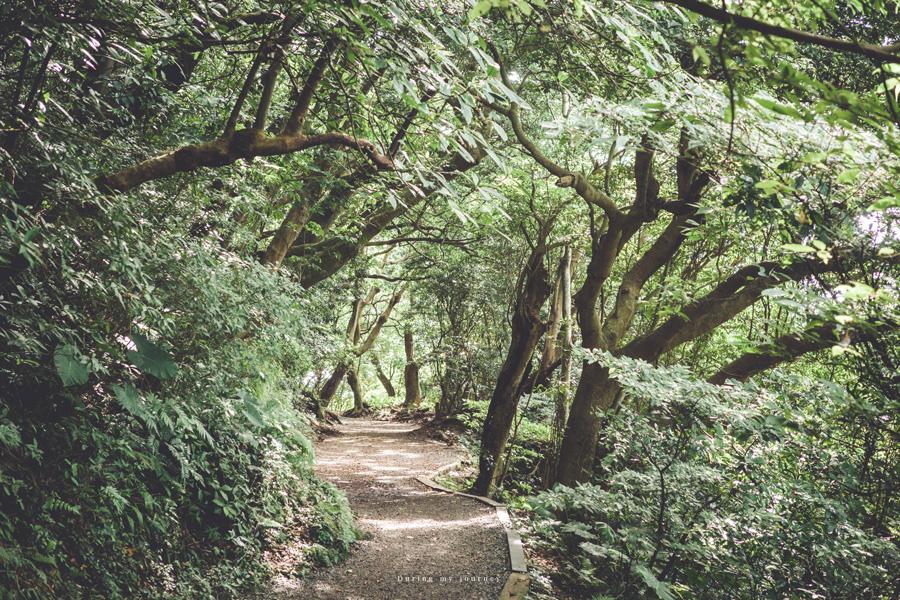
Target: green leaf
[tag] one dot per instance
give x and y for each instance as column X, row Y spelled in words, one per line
column 270, row 523
column 251, row 409
column 152, row 359
column 700, row 53
column 661, row 588
column 499, row 131
column 131, row 401
column 848, row 176
column 507, row 93
column 767, row 184
column 886, row 202
column 480, row 9
column 663, row 125
column 466, row 112
column 797, row 248
column 68, row 367
column 855, row 290
column 457, row 211
column 779, row 108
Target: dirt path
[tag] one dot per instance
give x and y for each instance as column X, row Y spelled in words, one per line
column 424, row 545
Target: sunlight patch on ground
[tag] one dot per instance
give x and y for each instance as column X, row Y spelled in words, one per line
column 427, row 525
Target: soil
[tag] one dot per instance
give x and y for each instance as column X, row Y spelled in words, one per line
column 424, row 544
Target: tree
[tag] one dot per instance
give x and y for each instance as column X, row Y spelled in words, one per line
column 357, row 349
column 210, row 187
column 413, row 393
column 700, row 155
column 526, row 329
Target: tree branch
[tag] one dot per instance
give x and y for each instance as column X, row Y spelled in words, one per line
column 662, row 250
column 285, row 235
column 786, row 348
column 339, row 252
column 382, row 319
column 245, row 91
column 578, row 181
column 297, row 119
column 404, row 127
column 226, row 150
column 722, row 15
column 269, row 80
column 724, row 302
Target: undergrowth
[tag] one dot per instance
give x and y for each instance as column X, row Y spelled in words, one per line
column 709, row 492
column 150, row 442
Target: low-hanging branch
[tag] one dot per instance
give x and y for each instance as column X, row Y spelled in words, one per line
column 729, row 298
column 888, row 54
column 787, row 348
column 228, row 149
column 246, row 144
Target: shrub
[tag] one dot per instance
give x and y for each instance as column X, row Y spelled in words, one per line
column 720, row 492
column 149, row 443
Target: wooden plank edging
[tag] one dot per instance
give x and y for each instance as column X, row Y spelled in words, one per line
column 513, row 539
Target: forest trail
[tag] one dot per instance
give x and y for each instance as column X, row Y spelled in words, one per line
column 425, row 544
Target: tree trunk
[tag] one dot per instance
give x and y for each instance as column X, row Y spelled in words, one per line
column 281, row 242
column 595, row 394
column 353, row 336
column 576, row 451
column 353, row 381
column 552, row 350
column 411, row 374
column 331, row 386
column 561, row 416
column 384, row 379
column 527, row 329
column 379, row 323
column 565, row 374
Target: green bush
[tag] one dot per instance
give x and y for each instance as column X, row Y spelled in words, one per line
column 721, row 492
column 150, row 446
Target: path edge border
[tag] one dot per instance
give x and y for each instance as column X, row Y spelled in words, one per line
column 519, row 580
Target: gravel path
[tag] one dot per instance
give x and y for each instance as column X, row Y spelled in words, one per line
column 425, row 544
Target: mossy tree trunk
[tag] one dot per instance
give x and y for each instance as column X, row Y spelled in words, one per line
column 526, row 330
column 411, row 374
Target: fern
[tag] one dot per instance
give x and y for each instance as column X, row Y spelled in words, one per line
column 55, row 504
column 118, row 500
column 9, row 434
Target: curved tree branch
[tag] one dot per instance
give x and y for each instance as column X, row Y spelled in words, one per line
column 578, row 181
column 721, row 304
column 887, row 54
column 228, row 149
column 297, row 119
column 786, row 348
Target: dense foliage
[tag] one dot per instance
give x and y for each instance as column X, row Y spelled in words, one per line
column 224, row 221
column 742, row 491
column 151, row 441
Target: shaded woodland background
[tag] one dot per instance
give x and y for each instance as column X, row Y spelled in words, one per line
column 643, row 255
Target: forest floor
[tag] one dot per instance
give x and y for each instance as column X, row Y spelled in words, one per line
column 424, row 544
